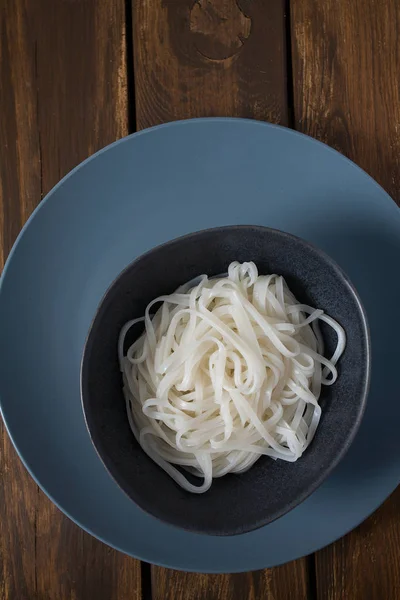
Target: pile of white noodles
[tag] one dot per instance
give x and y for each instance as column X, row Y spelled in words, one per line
column 226, row 371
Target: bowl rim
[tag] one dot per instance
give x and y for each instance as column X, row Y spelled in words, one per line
column 361, row 404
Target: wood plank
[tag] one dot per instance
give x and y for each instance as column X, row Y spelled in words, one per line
column 63, row 93
column 19, row 187
column 72, row 564
column 346, row 60
column 211, row 58
column 287, row 582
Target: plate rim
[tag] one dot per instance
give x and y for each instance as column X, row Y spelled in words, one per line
column 36, row 212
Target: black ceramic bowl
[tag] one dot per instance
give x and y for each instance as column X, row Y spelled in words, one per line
column 235, row 503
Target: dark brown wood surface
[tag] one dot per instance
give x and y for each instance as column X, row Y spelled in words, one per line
column 209, row 58
column 285, row 582
column 78, row 74
column 63, row 95
column 346, row 63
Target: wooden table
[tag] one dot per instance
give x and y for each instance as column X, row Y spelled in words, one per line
column 76, row 75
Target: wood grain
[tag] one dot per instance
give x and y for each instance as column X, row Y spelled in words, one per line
column 210, row 58
column 19, row 188
column 346, row 61
column 282, row 583
column 63, row 95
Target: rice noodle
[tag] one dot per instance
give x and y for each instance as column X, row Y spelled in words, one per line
column 227, row 370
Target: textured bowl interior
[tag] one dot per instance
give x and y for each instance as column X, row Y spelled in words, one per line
column 235, row 503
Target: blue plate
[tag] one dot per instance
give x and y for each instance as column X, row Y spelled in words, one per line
column 139, row 192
